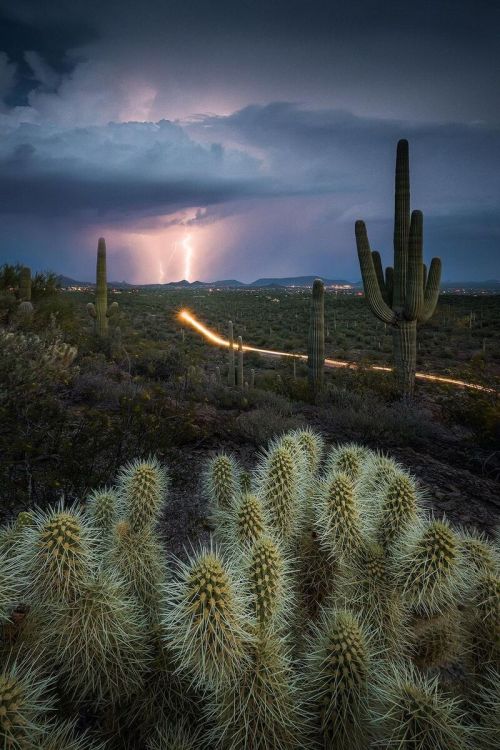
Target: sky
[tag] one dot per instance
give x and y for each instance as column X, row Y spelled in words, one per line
column 219, row 139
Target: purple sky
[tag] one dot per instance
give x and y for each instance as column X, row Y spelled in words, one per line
column 250, row 135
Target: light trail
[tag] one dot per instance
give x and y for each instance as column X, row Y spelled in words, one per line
column 186, row 244
column 214, row 338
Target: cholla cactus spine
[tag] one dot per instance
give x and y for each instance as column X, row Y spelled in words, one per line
column 261, row 708
column 411, row 711
column 96, row 663
column 57, row 553
column 142, row 486
column 338, row 521
column 280, row 484
column 429, row 568
column 25, row 703
column 205, row 622
column 221, row 481
column 102, row 507
column 338, row 673
column 268, row 577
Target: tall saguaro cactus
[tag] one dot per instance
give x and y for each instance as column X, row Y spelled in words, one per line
column 316, row 344
column 100, row 311
column 240, row 362
column 406, row 295
column 231, row 379
column 25, row 284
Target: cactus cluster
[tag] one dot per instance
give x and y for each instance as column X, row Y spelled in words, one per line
column 324, row 618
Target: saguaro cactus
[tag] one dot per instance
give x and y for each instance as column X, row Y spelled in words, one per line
column 25, row 284
column 407, row 295
column 240, row 362
column 316, row 345
column 231, row 371
column 100, row 311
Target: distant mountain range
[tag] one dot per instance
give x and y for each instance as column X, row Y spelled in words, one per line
column 271, row 282
column 289, row 281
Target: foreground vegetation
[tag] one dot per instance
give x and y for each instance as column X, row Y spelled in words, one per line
column 322, row 616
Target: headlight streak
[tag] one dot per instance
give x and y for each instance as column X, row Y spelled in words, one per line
column 190, row 320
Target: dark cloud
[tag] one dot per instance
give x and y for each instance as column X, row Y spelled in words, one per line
column 123, row 114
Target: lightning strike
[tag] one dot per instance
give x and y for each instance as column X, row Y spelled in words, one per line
column 188, row 255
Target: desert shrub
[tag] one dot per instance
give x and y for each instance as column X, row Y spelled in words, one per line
column 260, row 424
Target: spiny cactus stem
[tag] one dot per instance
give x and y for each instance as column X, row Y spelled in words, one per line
column 240, row 362
column 316, row 349
column 231, row 370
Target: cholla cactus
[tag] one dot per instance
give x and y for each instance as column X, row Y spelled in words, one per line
column 102, row 507
column 487, row 707
column 101, row 641
column 100, row 312
column 479, row 552
column 11, row 585
column 281, row 485
column 250, row 521
column 338, row 521
column 140, row 561
column 11, row 534
column 64, row 736
column 205, row 620
column 376, row 471
column 175, row 735
column 366, row 583
column 222, row 481
column 483, row 623
column 411, row 711
column 261, row 709
column 438, row 640
column 142, row 486
column 60, row 355
column 347, row 458
column 338, row 674
column 428, row 566
column 25, row 702
column 267, row 573
column 395, row 508
column 313, row 446
column 57, row 554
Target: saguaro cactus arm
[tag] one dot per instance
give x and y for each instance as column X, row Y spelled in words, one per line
column 414, row 297
column 431, row 294
column 379, row 272
column 372, row 289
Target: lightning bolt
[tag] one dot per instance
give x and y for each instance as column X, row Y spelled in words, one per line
column 188, row 255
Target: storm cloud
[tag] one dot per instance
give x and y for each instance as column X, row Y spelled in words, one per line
column 264, row 128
